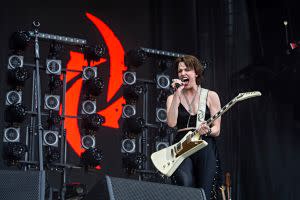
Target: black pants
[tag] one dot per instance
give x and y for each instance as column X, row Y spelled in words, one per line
column 199, row 170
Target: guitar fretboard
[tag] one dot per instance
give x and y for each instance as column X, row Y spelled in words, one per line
column 218, row 114
column 221, row 112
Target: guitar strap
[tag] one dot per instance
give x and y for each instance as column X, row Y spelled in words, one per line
column 201, row 107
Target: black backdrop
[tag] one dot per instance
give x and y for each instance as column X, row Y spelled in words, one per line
column 244, row 44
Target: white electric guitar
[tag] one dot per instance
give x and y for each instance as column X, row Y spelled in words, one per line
column 168, row 159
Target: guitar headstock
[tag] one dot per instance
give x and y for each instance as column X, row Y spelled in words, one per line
column 247, row 95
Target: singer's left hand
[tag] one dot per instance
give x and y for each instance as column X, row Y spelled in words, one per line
column 204, row 129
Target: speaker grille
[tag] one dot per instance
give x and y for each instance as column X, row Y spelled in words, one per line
column 125, row 189
column 23, row 185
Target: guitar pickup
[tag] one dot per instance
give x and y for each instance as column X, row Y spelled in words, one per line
column 188, row 138
column 178, row 146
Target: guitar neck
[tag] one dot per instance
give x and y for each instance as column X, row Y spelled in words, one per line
column 221, row 112
column 240, row 97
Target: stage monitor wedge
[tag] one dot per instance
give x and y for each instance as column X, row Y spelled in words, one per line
column 111, row 188
column 25, row 185
column 128, row 189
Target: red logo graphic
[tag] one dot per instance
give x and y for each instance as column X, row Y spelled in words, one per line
column 113, row 111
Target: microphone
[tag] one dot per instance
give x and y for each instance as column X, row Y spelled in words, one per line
column 177, row 85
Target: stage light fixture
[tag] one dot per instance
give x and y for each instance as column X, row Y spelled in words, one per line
column 132, row 162
column 135, row 58
column 89, row 107
column 134, row 125
column 128, row 163
column 55, row 50
column 15, row 113
column 92, row 122
column 88, row 141
column 161, row 145
column 75, row 191
column 128, row 111
column 139, row 160
column 161, row 115
column 53, row 66
column 19, row 41
column 11, row 134
column 13, row 97
column 54, row 119
column 15, row 61
column 128, row 146
column 93, row 53
column 14, row 151
column 163, row 81
column 170, row 131
column 54, row 82
column 92, row 157
column 50, row 138
column 164, row 64
column 18, row 76
column 52, row 102
column 129, row 78
column 162, row 97
column 94, row 86
column 89, row 73
column 52, row 154
column 131, row 93
column 164, row 130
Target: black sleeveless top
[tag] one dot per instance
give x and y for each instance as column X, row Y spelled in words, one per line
column 183, row 117
column 184, row 122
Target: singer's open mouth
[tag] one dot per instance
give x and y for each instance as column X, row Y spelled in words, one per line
column 185, row 80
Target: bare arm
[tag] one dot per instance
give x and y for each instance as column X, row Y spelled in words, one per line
column 214, row 107
column 173, row 102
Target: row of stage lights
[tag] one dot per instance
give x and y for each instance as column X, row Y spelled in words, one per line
column 91, row 120
column 133, row 125
column 16, row 112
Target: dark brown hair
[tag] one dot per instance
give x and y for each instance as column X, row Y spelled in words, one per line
column 191, row 62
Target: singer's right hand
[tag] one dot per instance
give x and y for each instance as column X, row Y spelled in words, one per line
column 177, row 85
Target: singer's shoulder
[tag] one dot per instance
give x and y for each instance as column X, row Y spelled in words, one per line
column 213, row 94
column 213, row 98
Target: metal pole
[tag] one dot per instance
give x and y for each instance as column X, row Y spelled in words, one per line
column 145, row 131
column 63, row 146
column 39, row 127
column 31, row 130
